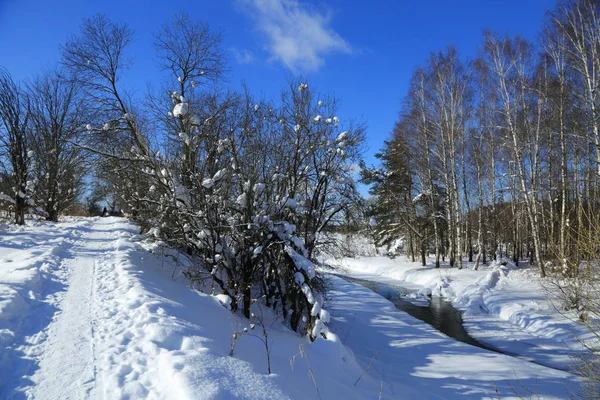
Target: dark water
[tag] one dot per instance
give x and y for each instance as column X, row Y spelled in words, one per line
column 439, row 313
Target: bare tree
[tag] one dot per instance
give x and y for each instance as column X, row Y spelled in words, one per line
column 511, row 63
column 96, row 59
column 423, row 129
column 59, row 117
column 245, row 187
column 448, row 91
column 577, row 22
column 15, row 116
column 190, row 52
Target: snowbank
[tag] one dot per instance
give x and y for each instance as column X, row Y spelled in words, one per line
column 163, row 338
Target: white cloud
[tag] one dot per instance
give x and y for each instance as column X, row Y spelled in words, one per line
column 296, row 36
column 243, row 56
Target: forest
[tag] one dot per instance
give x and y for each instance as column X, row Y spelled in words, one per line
column 499, row 154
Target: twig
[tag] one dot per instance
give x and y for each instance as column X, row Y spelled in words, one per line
column 366, row 369
column 310, row 371
column 349, row 328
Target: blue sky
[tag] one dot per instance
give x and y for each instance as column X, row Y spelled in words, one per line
column 362, row 51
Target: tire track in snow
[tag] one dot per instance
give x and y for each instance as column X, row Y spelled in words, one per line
column 67, row 363
column 92, row 324
column 42, row 295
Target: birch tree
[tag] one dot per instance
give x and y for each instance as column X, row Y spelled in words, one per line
column 510, row 62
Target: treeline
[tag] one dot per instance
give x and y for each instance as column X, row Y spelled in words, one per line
column 40, row 168
column 500, row 153
column 243, row 186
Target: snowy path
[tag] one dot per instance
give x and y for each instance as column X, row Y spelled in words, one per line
column 34, row 272
column 58, row 360
column 70, row 338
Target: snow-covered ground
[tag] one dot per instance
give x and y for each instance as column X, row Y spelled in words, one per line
column 86, row 311
column 506, row 307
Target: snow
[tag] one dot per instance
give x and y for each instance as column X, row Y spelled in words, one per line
column 184, row 136
column 7, row 198
column 89, row 310
column 316, row 309
column 219, row 174
column 419, row 197
column 224, row 300
column 27, row 264
column 259, row 188
column 290, row 203
column 208, row 183
column 342, row 136
column 301, row 262
column 242, row 200
column 414, row 361
column 180, row 109
column 299, row 278
column 88, row 313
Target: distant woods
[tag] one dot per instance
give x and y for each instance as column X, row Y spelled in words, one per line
column 501, row 153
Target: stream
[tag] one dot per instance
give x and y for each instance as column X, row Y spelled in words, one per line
column 439, row 313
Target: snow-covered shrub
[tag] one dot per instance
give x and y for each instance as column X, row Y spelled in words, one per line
column 252, row 203
column 243, row 186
